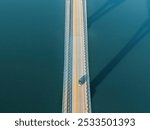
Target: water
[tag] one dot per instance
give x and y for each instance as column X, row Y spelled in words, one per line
column 119, row 42
column 31, row 55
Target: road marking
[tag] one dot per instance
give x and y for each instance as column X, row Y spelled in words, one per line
column 77, row 35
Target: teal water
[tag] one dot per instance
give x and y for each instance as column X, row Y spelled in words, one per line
column 31, row 55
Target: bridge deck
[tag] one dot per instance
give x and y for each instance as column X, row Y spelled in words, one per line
column 76, row 93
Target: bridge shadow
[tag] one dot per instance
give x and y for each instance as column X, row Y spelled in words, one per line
column 143, row 31
column 107, row 7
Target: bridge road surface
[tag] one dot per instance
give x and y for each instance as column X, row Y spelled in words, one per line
column 76, row 88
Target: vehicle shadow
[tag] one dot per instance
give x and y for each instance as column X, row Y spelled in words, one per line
column 107, row 7
column 143, row 31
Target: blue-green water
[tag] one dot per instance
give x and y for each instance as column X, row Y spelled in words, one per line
column 31, row 55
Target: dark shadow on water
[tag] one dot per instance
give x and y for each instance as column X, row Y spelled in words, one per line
column 140, row 34
column 107, row 7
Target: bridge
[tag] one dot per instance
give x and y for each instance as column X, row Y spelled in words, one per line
column 76, row 86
